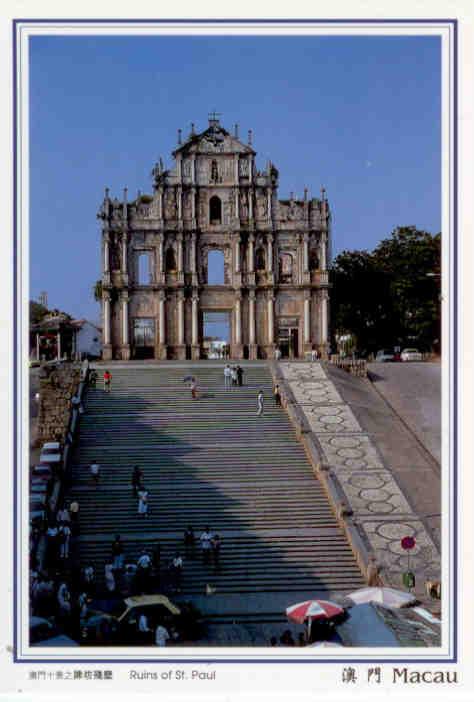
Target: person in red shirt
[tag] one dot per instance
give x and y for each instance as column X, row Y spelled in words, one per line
column 107, row 380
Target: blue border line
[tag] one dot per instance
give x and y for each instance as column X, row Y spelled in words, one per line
column 454, row 23
column 15, row 330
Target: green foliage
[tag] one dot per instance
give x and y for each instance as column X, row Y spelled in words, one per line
column 387, row 297
column 37, row 312
column 97, row 290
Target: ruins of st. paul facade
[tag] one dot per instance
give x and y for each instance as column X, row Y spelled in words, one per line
column 156, row 286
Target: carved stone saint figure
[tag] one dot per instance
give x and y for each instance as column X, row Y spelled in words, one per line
column 170, row 204
column 262, row 207
column 244, row 205
column 214, row 172
column 243, row 168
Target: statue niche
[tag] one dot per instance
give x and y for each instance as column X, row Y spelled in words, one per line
column 286, row 268
column 170, row 260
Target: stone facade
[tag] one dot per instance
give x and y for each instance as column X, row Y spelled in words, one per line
column 155, row 258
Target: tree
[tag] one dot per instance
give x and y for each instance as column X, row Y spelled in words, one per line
column 37, row 312
column 97, row 291
column 389, row 296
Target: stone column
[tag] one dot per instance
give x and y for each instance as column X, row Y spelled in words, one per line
column 237, row 253
column 250, row 203
column 160, row 203
column 324, row 319
column 193, row 172
column 37, row 346
column 270, row 320
column 236, row 168
column 106, row 338
column 195, row 348
column 237, row 351
column 180, row 259
column 269, row 203
column 252, row 344
column 270, row 253
column 160, row 258
column 179, row 200
column 193, row 252
column 106, row 262
column 250, row 254
column 193, row 204
column 323, row 257
column 125, row 351
column 305, row 253
column 58, row 346
column 124, row 258
column 307, row 319
column 161, row 319
column 181, row 348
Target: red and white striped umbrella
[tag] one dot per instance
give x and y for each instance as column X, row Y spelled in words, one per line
column 313, row 610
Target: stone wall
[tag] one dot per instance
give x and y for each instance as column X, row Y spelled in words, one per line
column 57, row 386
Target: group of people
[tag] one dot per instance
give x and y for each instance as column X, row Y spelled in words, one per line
column 233, row 376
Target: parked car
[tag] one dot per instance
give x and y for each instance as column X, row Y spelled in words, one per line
column 411, row 355
column 44, row 633
column 51, row 453
column 384, row 356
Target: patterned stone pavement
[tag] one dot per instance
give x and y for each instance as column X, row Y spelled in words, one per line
column 380, row 509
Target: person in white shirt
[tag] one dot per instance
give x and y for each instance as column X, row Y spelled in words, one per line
column 227, row 377
column 143, row 501
column 143, row 628
column 161, row 635
column 176, row 572
column 260, row 404
column 205, row 540
column 94, row 469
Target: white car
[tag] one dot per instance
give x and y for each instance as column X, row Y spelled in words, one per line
column 411, row 355
column 51, row 453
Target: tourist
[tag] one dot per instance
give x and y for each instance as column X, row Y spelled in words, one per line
column 74, row 514
column 286, row 638
column 176, row 572
column 193, row 387
column 314, row 354
column 205, row 540
column 94, row 470
column 143, row 572
column 240, row 373
column 52, row 545
column 109, row 577
column 189, row 543
column 156, row 557
column 117, row 553
column 64, row 536
column 161, row 636
column 143, row 628
column 63, row 515
column 76, row 403
column 93, row 378
column 142, row 501
column 107, row 380
column 216, row 550
column 277, row 354
column 233, row 372
column 137, row 476
column 277, row 396
column 227, row 377
column 260, row 403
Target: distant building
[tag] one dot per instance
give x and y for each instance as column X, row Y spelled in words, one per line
column 43, row 299
column 214, row 206
column 87, row 339
column 59, row 337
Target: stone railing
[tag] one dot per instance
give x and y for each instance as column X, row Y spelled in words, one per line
column 58, row 384
column 354, row 366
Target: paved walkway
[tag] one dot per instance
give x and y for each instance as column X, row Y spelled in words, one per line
column 391, row 485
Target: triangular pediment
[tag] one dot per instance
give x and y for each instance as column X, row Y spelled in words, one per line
column 213, row 140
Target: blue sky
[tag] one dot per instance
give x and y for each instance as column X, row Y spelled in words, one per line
column 359, row 115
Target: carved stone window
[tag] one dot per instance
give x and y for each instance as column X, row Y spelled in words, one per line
column 286, row 268
column 260, row 259
column 313, row 260
column 144, row 268
column 215, row 210
column 170, row 260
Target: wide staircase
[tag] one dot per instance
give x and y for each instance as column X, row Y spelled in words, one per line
column 210, row 461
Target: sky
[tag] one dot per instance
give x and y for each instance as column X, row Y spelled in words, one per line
column 359, row 115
